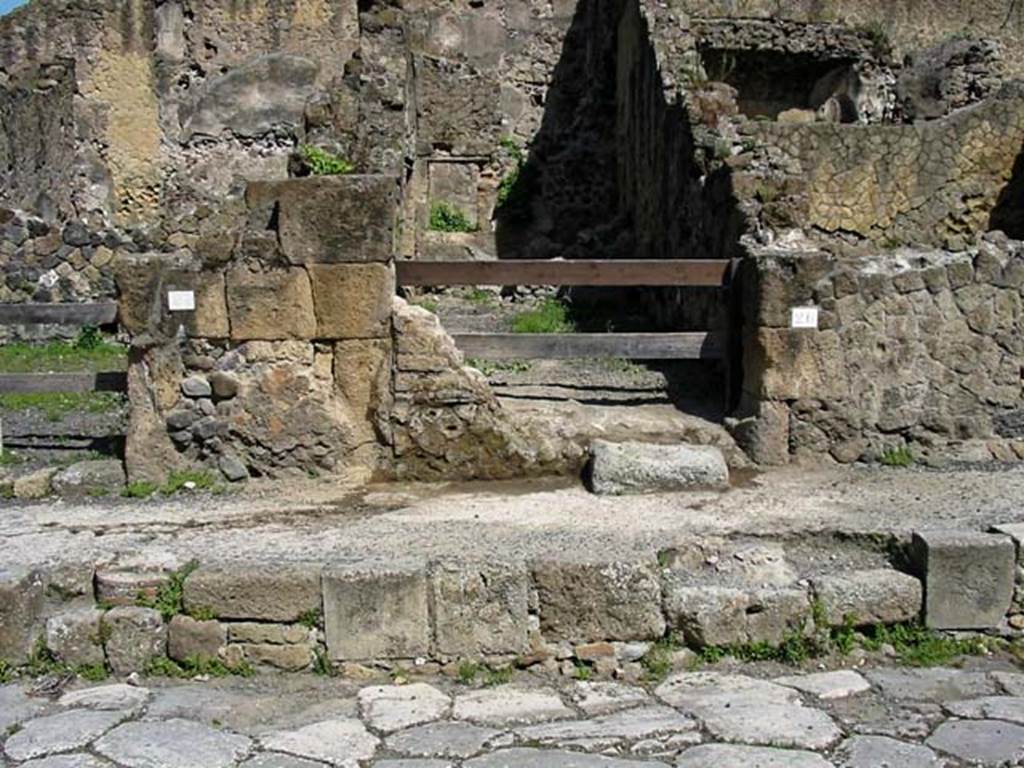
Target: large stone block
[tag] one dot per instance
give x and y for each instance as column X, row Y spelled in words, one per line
column 335, row 219
column 783, row 364
column 585, row 602
column 188, row 638
column 268, row 593
column 881, row 596
column 711, row 615
column 22, row 596
column 376, row 612
column 74, row 636
column 270, row 305
column 352, row 301
column 362, row 374
column 619, row 468
column 479, row 608
column 133, row 638
column 968, row 577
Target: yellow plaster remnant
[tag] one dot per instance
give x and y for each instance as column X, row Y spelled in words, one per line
column 124, row 82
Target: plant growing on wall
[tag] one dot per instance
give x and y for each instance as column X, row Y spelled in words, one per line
column 445, row 217
column 323, row 163
column 515, row 188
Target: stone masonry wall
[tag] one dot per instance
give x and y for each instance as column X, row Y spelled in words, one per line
column 919, row 349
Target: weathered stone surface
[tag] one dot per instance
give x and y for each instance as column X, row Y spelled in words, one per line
column 618, row 468
column 751, row 757
column 21, row 606
column 697, row 692
column 936, row 684
column 89, row 478
column 880, row 596
column 158, row 744
column 270, row 305
column 278, row 593
column 77, row 760
column 583, row 602
column 712, row 615
column 877, row 751
column 631, row 724
column 188, row 638
column 413, row 763
column 196, row 386
column 134, row 637
column 601, row 698
column 16, row 706
column 117, row 696
column 337, row 219
column 968, row 577
column 278, row 760
column 62, row 732
column 507, row 705
column 794, row 727
column 352, row 301
column 74, row 636
column 980, row 742
column 376, row 612
column 272, row 634
column 390, row 708
column 442, row 740
column 1011, row 682
column 522, row 757
column 115, row 587
column 34, row 485
column 827, row 685
column 340, row 742
column 290, row 658
column 479, row 608
column 1008, row 708
column 267, row 93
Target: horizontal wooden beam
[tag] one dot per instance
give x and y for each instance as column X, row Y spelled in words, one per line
column 112, row 381
column 562, row 346
column 691, row 272
column 58, row 314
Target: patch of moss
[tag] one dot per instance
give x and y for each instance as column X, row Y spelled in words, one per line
column 323, row 163
column 62, row 356
column 550, row 316
column 445, row 217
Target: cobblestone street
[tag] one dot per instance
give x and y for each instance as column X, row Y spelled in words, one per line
column 888, row 716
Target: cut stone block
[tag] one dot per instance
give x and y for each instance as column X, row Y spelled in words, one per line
column 620, row 468
column 188, row 638
column 134, row 638
column 74, row 636
column 126, row 587
column 968, row 577
column 479, row 609
column 709, row 615
column 881, row 596
column 270, row 306
column 352, row 301
column 273, row 593
column 376, row 612
column 88, row 477
column 21, row 605
column 585, row 602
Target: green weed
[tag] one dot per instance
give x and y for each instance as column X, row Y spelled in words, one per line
column 312, row 618
column 490, row 367
column 321, row 664
column 176, row 481
column 170, row 597
column 6, row 672
column 445, row 217
column 918, row 646
column 479, row 296
column 495, row 677
column 140, row 489
column 583, row 672
column 897, row 457
column 90, row 352
column 467, row 672
column 94, row 673
column 551, row 316
column 657, row 662
column 10, row 459
column 428, row 304
column 202, row 613
column 57, row 405
column 324, row 163
column 195, row 666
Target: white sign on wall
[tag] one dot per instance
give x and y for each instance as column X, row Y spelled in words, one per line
column 804, row 317
column 181, row 301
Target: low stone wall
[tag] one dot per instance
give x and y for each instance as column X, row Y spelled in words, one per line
column 917, row 349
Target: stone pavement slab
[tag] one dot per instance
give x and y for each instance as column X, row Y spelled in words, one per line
column 1006, row 708
column 770, row 725
column 16, row 706
column 390, row 708
column 172, row 744
column 937, row 684
column 507, row 706
column 883, row 752
column 68, row 761
column 601, row 698
column 340, row 742
column 642, row 723
column 980, row 742
column 110, row 697
column 697, row 692
column 723, row 755
column 446, row 739
column 62, row 732
column 537, row 758
column 278, row 760
column 827, row 685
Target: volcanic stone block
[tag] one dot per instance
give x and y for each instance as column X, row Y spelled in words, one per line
column 353, row 301
column 479, row 608
column 968, row 577
column 270, row 306
column 134, row 637
column 74, row 636
column 711, row 615
column 881, row 596
column 619, row 468
column 376, row 612
column 585, row 602
column 270, row 593
column 21, row 605
column 188, row 638
column 336, row 219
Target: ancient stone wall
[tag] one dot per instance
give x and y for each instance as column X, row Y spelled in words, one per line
column 915, row 348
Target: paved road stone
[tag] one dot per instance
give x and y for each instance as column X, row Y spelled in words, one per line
column 630, row 724
column 938, row 684
column 1006, row 708
column 773, row 726
column 444, row 740
column 62, row 732
column 159, row 744
column 698, row 692
column 16, row 706
column 340, row 742
column 416, row 763
column 828, row 685
column 723, row 755
column 278, row 760
column 980, row 742
column 601, row 698
column 1012, row 682
column 111, row 697
column 507, row 706
column 538, row 758
column 391, row 708
column 68, row 761
column 883, row 752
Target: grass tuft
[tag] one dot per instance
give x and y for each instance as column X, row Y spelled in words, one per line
column 445, row 217
column 324, row 163
column 897, row 457
column 56, row 405
column 170, row 597
column 551, row 316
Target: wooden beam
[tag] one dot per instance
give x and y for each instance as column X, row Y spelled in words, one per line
column 58, row 314
column 561, row 346
column 113, row 381
column 691, row 272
